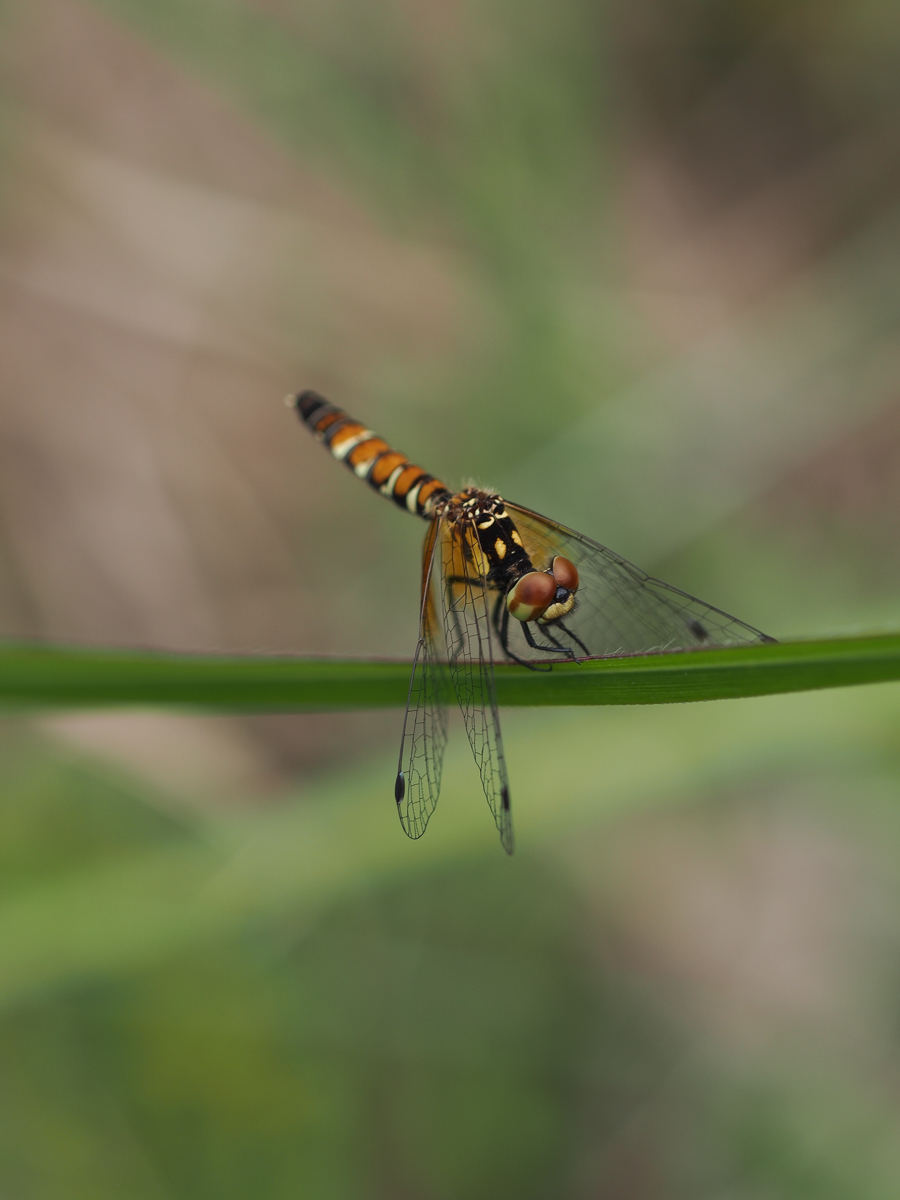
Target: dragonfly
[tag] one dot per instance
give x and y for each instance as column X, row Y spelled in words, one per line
column 501, row 582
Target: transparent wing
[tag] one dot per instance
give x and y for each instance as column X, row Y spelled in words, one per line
column 467, row 626
column 425, row 723
column 620, row 609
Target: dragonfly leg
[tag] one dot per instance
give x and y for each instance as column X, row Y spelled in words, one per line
column 496, row 616
column 573, row 636
column 502, row 628
column 560, row 645
column 529, row 638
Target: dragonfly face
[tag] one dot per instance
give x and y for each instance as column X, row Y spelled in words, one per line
column 500, row 581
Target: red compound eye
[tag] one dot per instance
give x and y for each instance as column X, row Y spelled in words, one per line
column 565, row 573
column 531, row 595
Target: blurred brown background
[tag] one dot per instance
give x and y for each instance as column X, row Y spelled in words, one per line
column 635, row 266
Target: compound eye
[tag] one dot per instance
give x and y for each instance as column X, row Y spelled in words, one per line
column 531, row 595
column 565, row 573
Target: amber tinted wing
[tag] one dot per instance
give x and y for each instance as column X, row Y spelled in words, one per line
column 425, row 724
column 621, row 609
column 469, row 639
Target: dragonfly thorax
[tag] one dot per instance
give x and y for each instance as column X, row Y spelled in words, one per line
column 489, row 533
column 492, row 543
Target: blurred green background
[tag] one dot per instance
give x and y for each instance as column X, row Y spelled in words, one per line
column 634, row 265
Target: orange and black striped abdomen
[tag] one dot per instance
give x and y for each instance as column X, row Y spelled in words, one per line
column 369, row 456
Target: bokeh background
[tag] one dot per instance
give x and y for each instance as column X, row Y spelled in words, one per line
column 636, row 265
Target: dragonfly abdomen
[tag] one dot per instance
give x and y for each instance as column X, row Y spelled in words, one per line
column 369, row 456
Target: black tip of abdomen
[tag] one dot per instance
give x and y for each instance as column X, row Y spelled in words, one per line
column 308, row 404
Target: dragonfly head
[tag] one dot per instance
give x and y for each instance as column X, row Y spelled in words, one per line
column 544, row 595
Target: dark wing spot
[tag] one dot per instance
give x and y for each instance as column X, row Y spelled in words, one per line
column 698, row 630
column 399, row 788
column 504, row 795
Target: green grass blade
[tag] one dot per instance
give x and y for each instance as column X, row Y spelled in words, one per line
column 65, row 676
column 341, row 836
